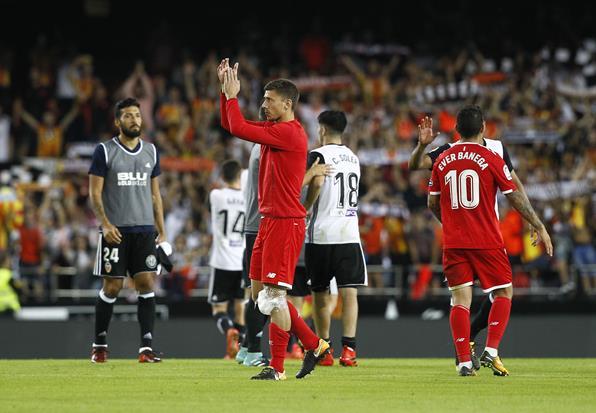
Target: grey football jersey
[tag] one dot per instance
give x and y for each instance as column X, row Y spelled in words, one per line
column 251, row 193
column 127, row 185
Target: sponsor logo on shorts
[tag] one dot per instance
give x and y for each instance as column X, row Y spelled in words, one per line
column 151, row 261
column 459, row 340
column 271, row 275
column 108, row 267
column 494, row 323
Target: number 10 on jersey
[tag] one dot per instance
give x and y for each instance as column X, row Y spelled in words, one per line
column 464, row 189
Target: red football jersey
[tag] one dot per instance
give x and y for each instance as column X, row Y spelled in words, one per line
column 466, row 177
column 283, row 159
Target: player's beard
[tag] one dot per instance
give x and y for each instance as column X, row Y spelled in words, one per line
column 131, row 133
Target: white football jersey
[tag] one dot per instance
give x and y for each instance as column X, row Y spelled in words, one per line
column 334, row 218
column 227, row 224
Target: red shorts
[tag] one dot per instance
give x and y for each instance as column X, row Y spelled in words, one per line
column 491, row 267
column 276, row 251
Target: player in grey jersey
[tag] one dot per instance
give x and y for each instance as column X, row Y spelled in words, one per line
column 124, row 192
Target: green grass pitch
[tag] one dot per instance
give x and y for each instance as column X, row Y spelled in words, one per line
column 376, row 386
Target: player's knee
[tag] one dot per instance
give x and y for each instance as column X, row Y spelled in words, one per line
column 506, row 292
column 111, row 288
column 270, row 299
column 255, row 289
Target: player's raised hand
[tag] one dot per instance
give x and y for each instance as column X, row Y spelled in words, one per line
column 231, row 85
column 425, row 131
column 221, row 69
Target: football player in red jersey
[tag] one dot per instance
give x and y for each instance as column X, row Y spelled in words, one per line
column 420, row 160
column 462, row 192
column 281, row 232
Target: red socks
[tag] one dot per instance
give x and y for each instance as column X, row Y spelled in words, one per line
column 278, row 340
column 459, row 319
column 309, row 340
column 497, row 321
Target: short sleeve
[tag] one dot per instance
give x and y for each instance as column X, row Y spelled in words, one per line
column 156, row 169
column 313, row 156
column 434, row 184
column 507, row 159
column 435, row 153
column 99, row 162
column 502, row 175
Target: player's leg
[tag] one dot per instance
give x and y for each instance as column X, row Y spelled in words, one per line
column 104, row 308
column 110, row 264
column 349, row 318
column 255, row 319
column 272, row 301
column 145, row 286
column 294, row 350
column 219, row 296
column 460, row 278
column 349, row 266
column 494, row 272
column 459, row 320
column 480, row 320
column 142, row 258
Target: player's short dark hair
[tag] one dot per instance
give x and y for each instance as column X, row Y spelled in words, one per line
column 334, row 120
column 125, row 103
column 230, row 170
column 469, row 121
column 286, row 89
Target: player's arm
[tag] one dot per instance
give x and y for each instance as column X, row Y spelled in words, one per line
column 425, row 137
column 157, row 201
column 221, row 69
column 315, row 183
column 110, row 232
column 158, row 210
column 317, row 170
column 275, row 135
column 521, row 203
column 434, row 204
column 434, row 195
column 97, row 172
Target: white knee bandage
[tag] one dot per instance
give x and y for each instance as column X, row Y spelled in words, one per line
column 271, row 298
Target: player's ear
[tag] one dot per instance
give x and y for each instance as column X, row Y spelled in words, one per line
column 483, row 128
column 117, row 123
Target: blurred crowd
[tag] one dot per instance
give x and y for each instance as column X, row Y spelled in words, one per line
column 540, row 103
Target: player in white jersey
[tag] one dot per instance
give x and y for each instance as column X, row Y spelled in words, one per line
column 225, row 284
column 333, row 240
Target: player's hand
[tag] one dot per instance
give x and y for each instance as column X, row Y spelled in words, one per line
column 111, row 234
column 324, row 169
column 222, row 68
column 543, row 234
column 231, row 86
column 425, row 131
column 160, row 238
column 534, row 236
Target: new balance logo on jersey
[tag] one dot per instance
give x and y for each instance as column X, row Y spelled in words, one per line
column 147, row 165
column 271, row 275
column 132, row 179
